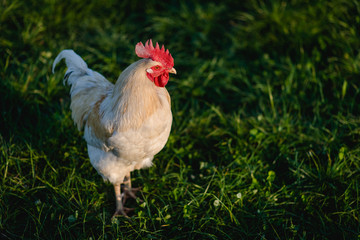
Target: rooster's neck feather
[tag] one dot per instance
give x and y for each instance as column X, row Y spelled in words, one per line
column 134, row 98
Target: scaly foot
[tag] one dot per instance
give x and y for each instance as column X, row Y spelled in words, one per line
column 123, row 212
column 130, row 193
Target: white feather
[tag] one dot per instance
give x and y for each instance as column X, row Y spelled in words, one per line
column 73, row 61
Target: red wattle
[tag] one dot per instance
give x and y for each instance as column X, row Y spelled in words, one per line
column 159, row 81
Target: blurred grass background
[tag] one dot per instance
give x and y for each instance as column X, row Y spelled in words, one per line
column 265, row 140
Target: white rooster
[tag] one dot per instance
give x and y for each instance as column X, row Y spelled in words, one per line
column 125, row 124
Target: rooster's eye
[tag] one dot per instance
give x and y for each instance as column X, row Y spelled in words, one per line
column 156, row 67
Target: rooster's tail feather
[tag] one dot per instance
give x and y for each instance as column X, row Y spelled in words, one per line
column 74, row 63
column 87, row 86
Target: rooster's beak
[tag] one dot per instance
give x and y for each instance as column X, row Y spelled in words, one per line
column 172, row 71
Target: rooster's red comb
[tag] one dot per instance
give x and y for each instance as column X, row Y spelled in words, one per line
column 154, row 53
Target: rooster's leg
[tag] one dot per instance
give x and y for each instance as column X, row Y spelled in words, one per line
column 120, row 209
column 129, row 192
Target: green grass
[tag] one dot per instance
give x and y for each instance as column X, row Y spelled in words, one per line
column 265, row 142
